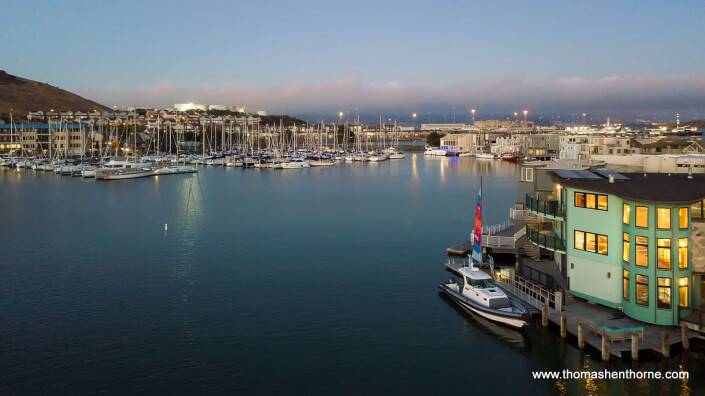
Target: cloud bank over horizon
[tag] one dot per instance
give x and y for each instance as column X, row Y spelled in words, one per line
column 628, row 96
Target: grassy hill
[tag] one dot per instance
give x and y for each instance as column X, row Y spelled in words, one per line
column 22, row 95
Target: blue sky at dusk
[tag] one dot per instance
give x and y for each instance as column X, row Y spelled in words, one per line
column 636, row 57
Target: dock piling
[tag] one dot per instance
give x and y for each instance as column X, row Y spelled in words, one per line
column 635, row 347
column 581, row 336
column 685, row 336
column 605, row 348
column 564, row 326
column 544, row 316
column 665, row 344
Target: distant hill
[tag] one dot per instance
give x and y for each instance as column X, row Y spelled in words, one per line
column 22, row 95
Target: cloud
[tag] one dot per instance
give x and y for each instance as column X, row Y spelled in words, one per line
column 637, row 94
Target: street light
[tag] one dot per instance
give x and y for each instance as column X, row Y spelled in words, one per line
column 472, row 111
column 584, row 118
column 525, row 113
column 414, row 117
column 515, row 117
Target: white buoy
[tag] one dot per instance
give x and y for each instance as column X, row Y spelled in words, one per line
column 166, row 227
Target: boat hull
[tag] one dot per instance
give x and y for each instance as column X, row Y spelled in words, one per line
column 513, row 319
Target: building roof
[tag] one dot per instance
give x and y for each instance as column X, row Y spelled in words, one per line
column 670, row 188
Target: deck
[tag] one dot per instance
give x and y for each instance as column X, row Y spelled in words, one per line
column 464, row 248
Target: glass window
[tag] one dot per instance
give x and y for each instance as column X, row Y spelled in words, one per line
column 590, row 242
column 683, row 218
column 683, row 253
column 642, row 290
column 683, row 292
column 664, row 253
column 625, row 248
column 642, row 216
column 580, row 200
column 579, row 240
column 602, row 244
column 663, row 218
column 696, row 211
column 625, row 214
column 590, row 201
column 602, row 202
column 625, row 285
column 641, row 251
column 664, row 292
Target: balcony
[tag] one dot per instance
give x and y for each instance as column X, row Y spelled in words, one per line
column 544, row 207
column 546, row 239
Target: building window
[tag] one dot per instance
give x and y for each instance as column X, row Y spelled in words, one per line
column 642, row 290
column 642, row 216
column 590, row 201
column 641, row 251
column 663, row 218
column 664, row 292
column 625, row 285
column 625, row 214
column 696, row 211
column 683, row 218
column 602, row 202
column 590, row 242
column 602, row 244
column 664, row 253
column 625, row 248
column 683, row 253
column 683, row 292
column 579, row 200
column 579, row 240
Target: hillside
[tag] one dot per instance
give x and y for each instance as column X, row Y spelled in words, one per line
column 22, row 95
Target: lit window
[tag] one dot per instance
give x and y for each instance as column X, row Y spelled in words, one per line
column 663, row 218
column 625, row 248
column 664, row 253
column 579, row 240
column 590, row 201
column 590, row 242
column 642, row 290
column 602, row 244
column 683, row 292
column 625, row 285
column 683, row 253
column 625, row 214
column 641, row 251
column 664, row 292
column 579, row 200
column 642, row 216
column 602, row 202
column 683, row 218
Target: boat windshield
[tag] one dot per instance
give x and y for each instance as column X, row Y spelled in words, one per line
column 481, row 283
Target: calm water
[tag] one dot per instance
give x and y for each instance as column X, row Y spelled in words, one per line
column 303, row 281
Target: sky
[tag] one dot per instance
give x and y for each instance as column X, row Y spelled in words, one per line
column 625, row 58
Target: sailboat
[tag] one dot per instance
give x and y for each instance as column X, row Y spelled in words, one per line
column 476, row 291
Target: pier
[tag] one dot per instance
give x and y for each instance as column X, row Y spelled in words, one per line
column 501, row 238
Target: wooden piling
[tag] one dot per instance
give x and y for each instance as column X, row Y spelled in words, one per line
column 605, row 348
column 581, row 336
column 685, row 336
column 635, row 347
column 665, row 344
column 544, row 316
column 564, row 326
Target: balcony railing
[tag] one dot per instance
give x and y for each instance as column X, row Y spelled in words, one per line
column 544, row 207
column 545, row 239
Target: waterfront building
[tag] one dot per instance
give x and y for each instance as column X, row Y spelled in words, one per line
column 63, row 140
column 631, row 241
column 460, row 142
column 190, row 106
column 540, row 146
column 506, row 144
column 442, row 127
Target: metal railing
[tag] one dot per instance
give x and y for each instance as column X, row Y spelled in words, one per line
column 533, row 293
column 615, row 335
column 544, row 207
column 521, row 214
column 542, row 278
column 497, row 228
column 503, row 241
column 545, row 241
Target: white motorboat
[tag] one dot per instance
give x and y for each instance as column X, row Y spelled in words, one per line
column 174, row 170
column 295, row 163
column 478, row 293
column 129, row 174
column 484, row 156
column 397, row 154
column 322, row 163
column 435, row 152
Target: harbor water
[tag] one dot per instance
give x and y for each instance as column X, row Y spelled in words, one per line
column 315, row 281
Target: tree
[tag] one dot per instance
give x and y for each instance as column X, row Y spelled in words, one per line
column 434, row 138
